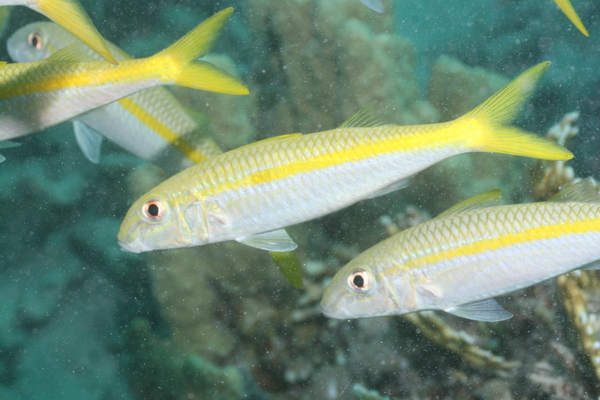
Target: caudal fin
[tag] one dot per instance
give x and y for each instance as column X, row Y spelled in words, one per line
column 490, row 120
column 200, row 74
column 567, row 8
column 70, row 15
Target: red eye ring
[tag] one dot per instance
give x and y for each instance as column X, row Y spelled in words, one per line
column 35, row 40
column 359, row 280
column 154, row 209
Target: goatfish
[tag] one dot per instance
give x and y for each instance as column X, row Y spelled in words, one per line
column 250, row 193
column 71, row 16
column 151, row 124
column 567, row 8
column 477, row 250
column 37, row 95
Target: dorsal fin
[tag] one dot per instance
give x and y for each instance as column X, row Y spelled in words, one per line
column 75, row 52
column 271, row 139
column 366, row 117
column 487, row 199
column 583, row 191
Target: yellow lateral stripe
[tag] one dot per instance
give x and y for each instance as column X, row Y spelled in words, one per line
column 67, row 75
column 438, row 135
column 528, row 235
column 162, row 130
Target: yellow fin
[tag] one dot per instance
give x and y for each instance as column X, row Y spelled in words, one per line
column 366, row 117
column 584, row 191
column 289, row 265
column 569, row 11
column 491, row 119
column 200, row 74
column 487, row 199
column 3, row 63
column 71, row 16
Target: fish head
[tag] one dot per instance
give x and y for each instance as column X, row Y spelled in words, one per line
column 157, row 221
column 37, row 41
column 358, row 290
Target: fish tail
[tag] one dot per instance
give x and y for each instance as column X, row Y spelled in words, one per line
column 490, row 121
column 567, row 8
column 70, row 13
column 200, row 74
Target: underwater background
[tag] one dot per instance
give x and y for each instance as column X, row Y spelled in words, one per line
column 81, row 319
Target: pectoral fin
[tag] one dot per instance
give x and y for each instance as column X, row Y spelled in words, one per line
column 485, row 310
column 277, row 240
column 89, row 141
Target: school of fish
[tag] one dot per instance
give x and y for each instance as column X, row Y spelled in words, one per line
column 251, row 193
column 38, row 95
column 151, row 124
column 456, row 262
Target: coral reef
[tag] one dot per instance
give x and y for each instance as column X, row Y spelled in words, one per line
column 159, row 371
column 550, row 176
column 325, row 60
column 362, row 393
column 81, row 319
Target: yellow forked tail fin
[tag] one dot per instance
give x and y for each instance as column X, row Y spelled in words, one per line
column 200, row 74
column 70, row 15
column 491, row 120
column 567, row 8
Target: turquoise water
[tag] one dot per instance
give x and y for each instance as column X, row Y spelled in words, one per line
column 80, row 319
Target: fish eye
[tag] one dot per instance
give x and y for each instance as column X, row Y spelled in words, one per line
column 359, row 280
column 35, row 40
column 154, row 209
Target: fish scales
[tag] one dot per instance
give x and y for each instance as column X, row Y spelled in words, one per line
column 148, row 123
column 292, row 173
column 250, row 193
column 63, row 97
column 483, row 253
column 63, row 87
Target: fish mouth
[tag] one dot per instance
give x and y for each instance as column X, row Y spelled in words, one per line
column 329, row 310
column 135, row 246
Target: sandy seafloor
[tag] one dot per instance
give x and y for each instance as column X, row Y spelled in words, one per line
column 80, row 319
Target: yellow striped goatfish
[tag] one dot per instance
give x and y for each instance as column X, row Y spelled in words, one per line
column 475, row 251
column 70, row 15
column 151, row 124
column 37, row 95
column 250, row 193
